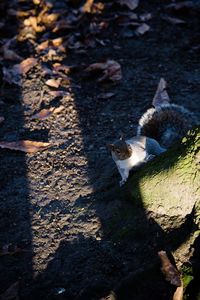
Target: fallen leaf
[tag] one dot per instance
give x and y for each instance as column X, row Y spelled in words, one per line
column 42, row 46
column 58, row 93
column 8, row 53
column 143, row 28
column 169, row 271
column 32, row 22
column 105, row 95
column 173, row 20
column 63, row 24
column 66, row 69
column 2, row 25
column 111, row 70
column 87, row 7
column 58, row 109
column 57, row 42
column 1, row 119
column 10, row 250
column 48, row 19
column 180, row 5
column 53, row 82
column 12, row 75
column 11, row 55
column 25, row 146
column 161, row 96
column 11, row 293
column 45, row 113
column 145, row 17
column 131, row 4
column 27, row 64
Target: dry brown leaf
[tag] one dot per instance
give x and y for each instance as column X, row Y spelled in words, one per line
column 180, row 5
column 87, row 7
column 58, row 109
column 2, row 119
column 13, row 74
column 8, row 53
column 27, row 64
column 10, row 250
column 173, row 20
column 58, row 93
column 36, row 2
column 49, row 19
column 111, row 70
column 43, row 114
column 53, row 82
column 32, row 22
column 145, row 17
column 57, row 42
column 42, row 46
column 11, row 293
column 178, row 295
column 169, row 271
column 25, row 146
column 63, row 24
column 2, row 25
column 11, row 55
column 161, row 96
column 46, row 113
column 106, row 95
column 131, row 4
column 143, row 28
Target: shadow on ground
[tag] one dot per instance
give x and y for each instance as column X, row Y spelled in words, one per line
column 121, row 257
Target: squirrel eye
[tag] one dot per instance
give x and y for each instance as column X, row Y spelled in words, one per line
column 118, row 151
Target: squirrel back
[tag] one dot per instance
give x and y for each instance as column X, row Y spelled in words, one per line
column 166, row 122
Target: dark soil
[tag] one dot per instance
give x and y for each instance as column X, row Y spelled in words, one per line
column 54, row 204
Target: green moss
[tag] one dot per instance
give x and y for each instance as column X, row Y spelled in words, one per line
column 187, row 275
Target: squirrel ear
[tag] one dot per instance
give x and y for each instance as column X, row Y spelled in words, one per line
column 111, row 147
column 121, row 136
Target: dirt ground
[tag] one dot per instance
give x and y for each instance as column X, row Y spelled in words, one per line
column 54, row 204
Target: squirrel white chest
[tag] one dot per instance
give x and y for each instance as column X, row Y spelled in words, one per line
column 132, row 161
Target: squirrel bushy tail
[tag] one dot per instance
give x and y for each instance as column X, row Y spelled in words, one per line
column 166, row 122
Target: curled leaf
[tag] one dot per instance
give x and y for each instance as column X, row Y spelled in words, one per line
column 131, row 4
column 58, row 93
column 169, row 271
column 161, row 96
column 13, row 74
column 2, row 119
column 45, row 113
column 11, row 293
column 25, row 145
column 143, row 28
column 86, row 8
column 111, row 70
column 10, row 250
column 173, row 20
column 11, row 55
column 106, row 95
column 27, row 64
column 53, row 82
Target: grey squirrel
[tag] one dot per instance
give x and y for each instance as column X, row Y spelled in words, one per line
column 159, row 127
